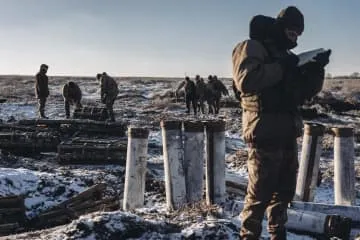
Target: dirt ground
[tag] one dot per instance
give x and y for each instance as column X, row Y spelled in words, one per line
column 144, row 101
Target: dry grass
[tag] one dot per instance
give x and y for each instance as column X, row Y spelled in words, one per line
column 344, row 85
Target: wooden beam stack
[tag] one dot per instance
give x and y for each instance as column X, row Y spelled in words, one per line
column 12, row 214
column 88, row 201
column 92, row 151
column 92, row 113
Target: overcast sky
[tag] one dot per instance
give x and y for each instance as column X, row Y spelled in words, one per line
column 159, row 37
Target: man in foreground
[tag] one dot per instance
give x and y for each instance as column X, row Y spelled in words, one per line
column 272, row 88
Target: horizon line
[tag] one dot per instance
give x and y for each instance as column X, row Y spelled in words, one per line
column 88, row 76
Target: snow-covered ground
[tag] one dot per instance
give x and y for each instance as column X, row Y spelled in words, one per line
column 44, row 183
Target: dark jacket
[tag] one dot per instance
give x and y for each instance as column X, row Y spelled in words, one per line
column 41, row 85
column 218, row 88
column 72, row 92
column 109, row 88
column 200, row 89
column 189, row 87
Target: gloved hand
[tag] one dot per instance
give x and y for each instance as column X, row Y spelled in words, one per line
column 289, row 62
column 323, row 58
column 103, row 98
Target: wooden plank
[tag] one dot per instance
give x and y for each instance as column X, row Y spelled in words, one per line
column 12, row 202
column 8, row 228
column 7, row 211
column 89, row 204
column 55, row 213
column 94, row 190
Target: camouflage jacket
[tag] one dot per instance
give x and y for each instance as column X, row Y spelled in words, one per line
column 270, row 95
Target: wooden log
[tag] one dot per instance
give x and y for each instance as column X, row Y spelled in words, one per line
column 233, row 185
column 84, row 207
column 29, row 141
column 95, row 208
column 86, row 146
column 56, row 213
column 73, row 211
column 83, row 125
column 95, row 190
column 14, row 127
column 7, row 211
column 8, row 228
column 12, row 209
column 92, row 152
column 54, row 122
column 92, row 113
column 236, row 191
column 18, row 217
column 11, row 201
column 236, row 181
column 44, row 222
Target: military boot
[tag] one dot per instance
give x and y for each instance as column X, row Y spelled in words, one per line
column 279, row 235
column 111, row 115
column 42, row 115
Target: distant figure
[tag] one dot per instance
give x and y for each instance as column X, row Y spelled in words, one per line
column 109, row 92
column 210, row 95
column 215, row 88
column 42, row 89
column 190, row 94
column 72, row 96
column 220, row 90
column 200, row 93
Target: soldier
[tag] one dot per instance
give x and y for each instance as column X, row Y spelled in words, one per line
column 200, row 93
column 190, row 94
column 272, row 87
column 215, row 89
column 220, row 89
column 42, row 89
column 210, row 95
column 109, row 91
column 72, row 96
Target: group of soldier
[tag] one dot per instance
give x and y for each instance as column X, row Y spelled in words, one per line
column 196, row 93
column 199, row 92
column 72, row 92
